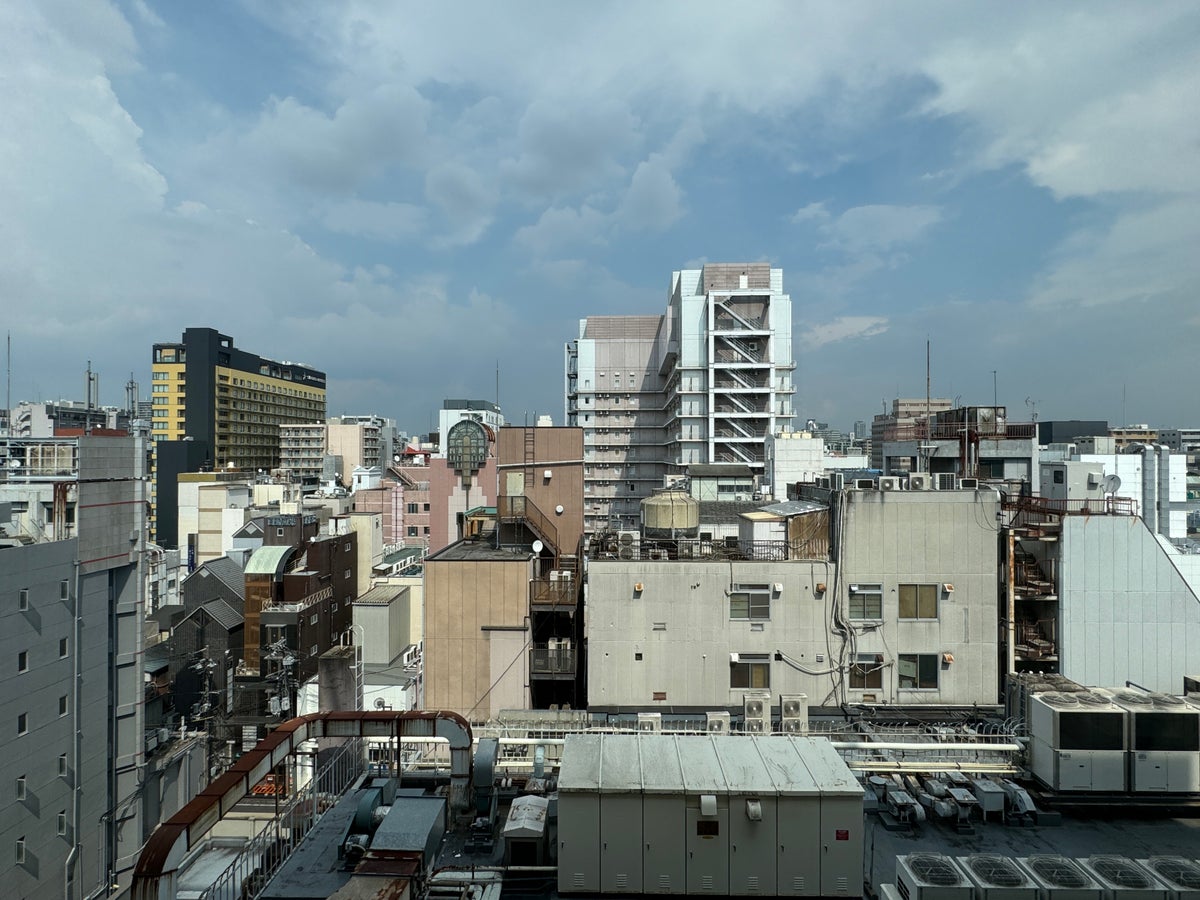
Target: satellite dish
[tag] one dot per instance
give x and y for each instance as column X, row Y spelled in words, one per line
column 538, row 546
column 1112, row 484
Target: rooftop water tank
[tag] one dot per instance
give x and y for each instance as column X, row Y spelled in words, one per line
column 671, row 514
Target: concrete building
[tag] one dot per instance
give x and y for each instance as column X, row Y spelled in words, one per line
column 302, row 451
column 797, row 456
column 704, row 383
column 74, row 748
column 905, row 414
column 454, row 411
column 1125, row 435
column 225, row 403
column 501, row 616
column 901, row 609
column 65, row 417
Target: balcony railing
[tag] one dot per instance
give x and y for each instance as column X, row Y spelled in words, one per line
column 991, row 431
column 609, row 546
column 1046, row 506
column 546, row 661
column 546, row 593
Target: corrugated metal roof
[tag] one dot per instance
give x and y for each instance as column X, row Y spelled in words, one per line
column 381, row 595
column 795, row 507
column 761, row 515
column 704, row 764
column 267, row 560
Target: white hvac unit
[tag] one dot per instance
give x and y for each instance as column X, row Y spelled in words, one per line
column 919, row 481
column 946, row 481
column 998, row 878
column 1123, row 879
column 864, row 484
column 931, row 876
column 793, row 713
column 1061, row 878
column 717, row 722
column 756, row 712
column 1164, row 742
column 1078, row 741
column 1181, row 876
column 628, row 544
column 968, row 484
column 649, row 721
column 889, row 483
column 658, row 554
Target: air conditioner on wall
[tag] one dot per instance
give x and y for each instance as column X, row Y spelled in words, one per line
column 919, row 481
column 717, row 722
column 649, row 721
column 756, row 711
column 793, row 713
column 889, row 483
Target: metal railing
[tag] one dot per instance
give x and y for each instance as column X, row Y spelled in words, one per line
column 988, row 431
column 545, row 661
column 1047, row 506
column 608, row 546
column 516, row 509
column 545, row 592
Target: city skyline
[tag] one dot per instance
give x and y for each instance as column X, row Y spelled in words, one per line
column 409, row 205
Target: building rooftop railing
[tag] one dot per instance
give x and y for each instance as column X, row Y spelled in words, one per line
column 1096, row 506
column 610, row 546
column 992, row 431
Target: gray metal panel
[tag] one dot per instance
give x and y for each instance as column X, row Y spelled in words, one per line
column 620, row 763
column 841, row 845
column 702, row 772
column 788, row 772
column 662, row 771
column 580, row 770
column 664, row 828
column 708, row 855
column 742, row 765
column 752, row 855
column 578, row 842
column 620, row 843
column 828, row 768
column 413, row 823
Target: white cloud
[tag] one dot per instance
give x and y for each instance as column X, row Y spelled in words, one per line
column 845, row 328
column 880, row 226
column 392, row 222
column 654, row 200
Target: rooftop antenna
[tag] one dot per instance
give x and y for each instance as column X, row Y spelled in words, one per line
column 1032, row 404
column 8, row 392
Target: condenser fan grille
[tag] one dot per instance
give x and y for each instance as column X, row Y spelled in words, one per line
column 1178, row 871
column 934, row 870
column 1090, row 699
column 1058, row 698
column 1058, row 871
column 1120, row 871
column 996, row 870
column 1133, row 698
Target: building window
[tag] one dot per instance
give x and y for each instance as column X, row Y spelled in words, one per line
column 347, row 573
column 413, row 508
column 23, row 661
column 312, row 620
column 314, row 650
column 867, row 672
column 866, row 601
column 752, row 670
column 62, row 765
column 63, row 707
column 21, row 850
column 426, row 529
column 412, row 530
column 347, row 547
column 62, row 822
column 750, row 601
column 23, row 600
column 62, row 648
column 424, row 507
column 20, row 787
column 1059, row 476
column 22, row 723
column 918, row 601
column 918, row 671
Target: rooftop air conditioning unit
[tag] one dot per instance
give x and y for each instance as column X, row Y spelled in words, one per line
column 717, row 722
column 1062, row 878
column 837, row 481
column 823, row 481
column 946, row 481
column 931, row 876
column 998, row 878
column 889, row 483
column 658, row 554
column 864, row 484
column 1124, row 879
column 756, row 712
column 1181, row 875
column 968, row 484
column 649, row 721
column 793, row 713
column 919, row 481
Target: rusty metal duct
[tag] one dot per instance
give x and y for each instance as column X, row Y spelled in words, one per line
column 154, row 876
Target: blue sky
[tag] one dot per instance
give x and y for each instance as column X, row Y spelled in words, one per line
column 405, row 195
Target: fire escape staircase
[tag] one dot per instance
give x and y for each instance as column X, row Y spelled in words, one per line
column 726, row 309
column 1036, row 612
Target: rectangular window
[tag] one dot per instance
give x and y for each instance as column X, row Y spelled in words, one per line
column 62, row 822
column 347, row 573
column 424, row 507
column 866, row 601
column 62, row 705
column 314, row 650
column 347, row 547
column 62, row 765
column 312, row 620
column 412, row 530
column 23, row 600
column 918, row 601
column 918, row 671
column 867, row 672
column 750, row 601
column 752, row 670
column 20, row 787
column 413, row 508
column 21, row 850
column 64, row 590
column 23, row 661
column 62, row 648
column 22, row 723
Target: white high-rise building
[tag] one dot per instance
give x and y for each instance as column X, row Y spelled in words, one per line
column 704, row 383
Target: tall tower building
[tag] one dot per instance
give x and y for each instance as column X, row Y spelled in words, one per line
column 226, row 406
column 704, row 383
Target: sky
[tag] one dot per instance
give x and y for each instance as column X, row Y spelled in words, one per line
column 412, row 197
